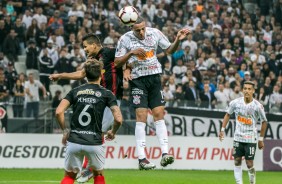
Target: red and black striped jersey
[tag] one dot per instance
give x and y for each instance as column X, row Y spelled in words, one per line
column 113, row 77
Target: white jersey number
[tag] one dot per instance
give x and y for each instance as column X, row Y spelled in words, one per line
column 84, row 113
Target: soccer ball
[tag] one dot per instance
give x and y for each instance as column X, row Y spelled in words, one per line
column 128, row 15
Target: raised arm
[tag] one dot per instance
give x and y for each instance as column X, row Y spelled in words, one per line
column 180, row 36
column 71, row 76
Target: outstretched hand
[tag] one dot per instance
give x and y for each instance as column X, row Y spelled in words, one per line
column 54, row 77
column 183, row 33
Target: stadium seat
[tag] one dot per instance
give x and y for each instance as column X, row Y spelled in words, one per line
column 20, row 67
column 55, row 87
column 22, row 58
column 66, row 88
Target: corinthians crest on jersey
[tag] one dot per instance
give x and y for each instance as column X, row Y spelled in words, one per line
column 136, row 99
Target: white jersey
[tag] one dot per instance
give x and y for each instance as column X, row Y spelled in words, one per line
column 143, row 66
column 247, row 115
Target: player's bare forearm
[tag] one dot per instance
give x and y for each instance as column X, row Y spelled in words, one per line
column 224, row 123
column 74, row 75
column 60, row 113
column 263, row 128
column 173, row 47
column 225, row 120
column 71, row 76
column 120, row 61
column 117, row 118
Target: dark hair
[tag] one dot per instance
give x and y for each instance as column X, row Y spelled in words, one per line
column 250, row 83
column 91, row 38
column 93, row 69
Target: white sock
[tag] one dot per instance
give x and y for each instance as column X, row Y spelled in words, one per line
column 252, row 175
column 161, row 132
column 140, row 137
column 238, row 174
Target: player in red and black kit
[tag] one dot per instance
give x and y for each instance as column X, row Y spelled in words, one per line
column 85, row 136
column 111, row 79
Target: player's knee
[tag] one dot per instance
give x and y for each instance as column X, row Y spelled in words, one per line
column 249, row 163
column 141, row 115
column 158, row 113
column 238, row 161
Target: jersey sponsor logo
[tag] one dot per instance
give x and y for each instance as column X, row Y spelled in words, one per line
column 136, row 99
column 148, row 54
column 137, row 91
column 84, row 132
column 86, row 92
column 152, row 67
column 244, row 120
column 98, row 93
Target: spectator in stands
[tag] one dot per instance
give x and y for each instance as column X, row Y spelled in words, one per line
column 27, row 18
column 40, row 17
column 171, row 84
column 236, row 93
column 32, row 53
column 20, row 31
column 191, row 94
column 221, row 98
column 11, row 76
column 263, row 99
column 3, row 99
column 63, row 65
column 22, row 78
column 71, row 27
column 192, row 44
column 18, row 100
column 3, row 34
column 179, row 71
column 32, row 96
column 77, row 58
column 57, row 99
column 166, row 71
column 11, row 46
column 52, row 51
column 207, row 98
column 41, row 36
column 45, row 69
column 275, row 100
column 32, row 30
column 179, row 98
column 206, row 80
column 168, row 96
column 267, row 86
column 3, row 61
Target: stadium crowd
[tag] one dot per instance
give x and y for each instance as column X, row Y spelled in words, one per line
column 230, row 44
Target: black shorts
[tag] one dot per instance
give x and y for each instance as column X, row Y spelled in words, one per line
column 146, row 92
column 248, row 150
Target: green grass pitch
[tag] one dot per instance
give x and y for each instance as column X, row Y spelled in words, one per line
column 25, row 176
